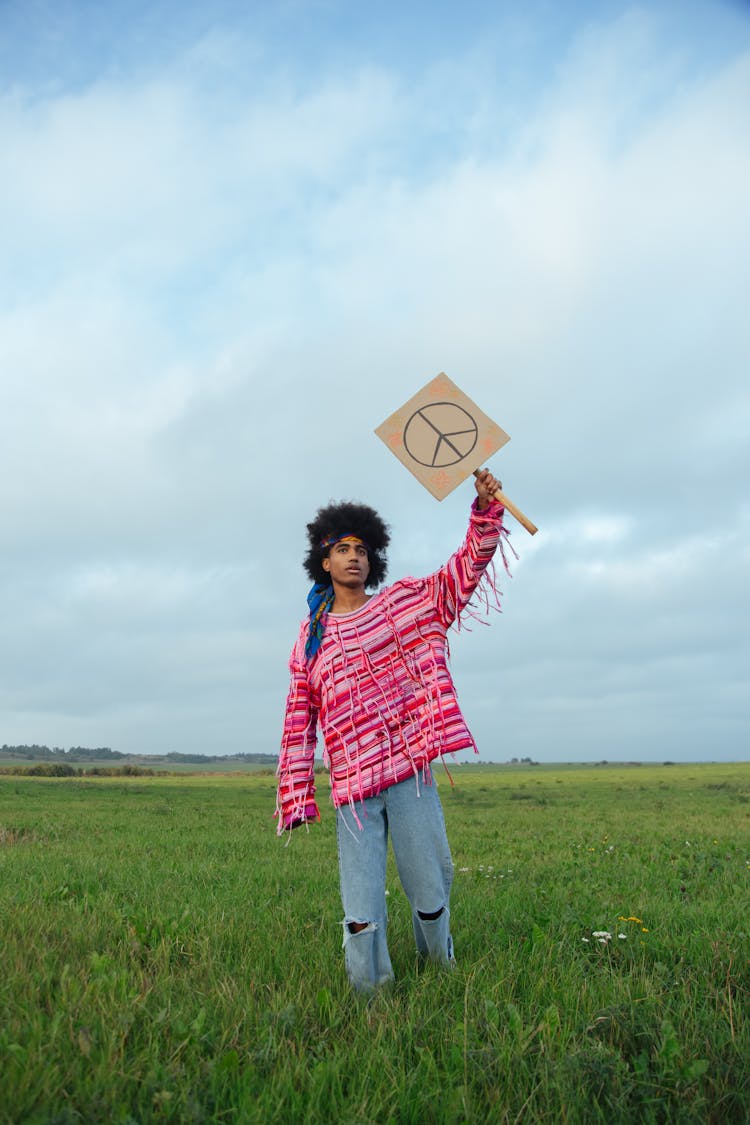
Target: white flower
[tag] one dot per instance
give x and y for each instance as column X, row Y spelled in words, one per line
column 585, row 939
column 605, row 934
column 623, row 937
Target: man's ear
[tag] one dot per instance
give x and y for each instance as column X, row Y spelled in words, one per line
column 326, row 564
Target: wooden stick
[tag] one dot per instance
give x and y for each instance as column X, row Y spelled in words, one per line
column 514, row 511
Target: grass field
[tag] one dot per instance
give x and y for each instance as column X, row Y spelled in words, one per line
column 166, row 958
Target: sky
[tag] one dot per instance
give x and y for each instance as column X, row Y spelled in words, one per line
column 235, row 237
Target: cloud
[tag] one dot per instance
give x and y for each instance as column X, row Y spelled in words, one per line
column 222, row 272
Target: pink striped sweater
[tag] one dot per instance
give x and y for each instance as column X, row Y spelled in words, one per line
column 379, row 686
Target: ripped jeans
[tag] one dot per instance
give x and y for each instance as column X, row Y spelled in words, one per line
column 414, row 818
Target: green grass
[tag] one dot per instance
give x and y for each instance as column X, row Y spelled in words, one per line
column 166, row 958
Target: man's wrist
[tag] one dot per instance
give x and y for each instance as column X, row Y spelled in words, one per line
column 491, row 509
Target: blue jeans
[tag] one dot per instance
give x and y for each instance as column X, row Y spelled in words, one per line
column 414, row 817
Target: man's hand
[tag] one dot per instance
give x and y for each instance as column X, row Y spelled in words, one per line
column 486, row 486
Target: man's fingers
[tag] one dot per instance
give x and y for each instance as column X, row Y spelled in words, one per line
column 488, row 482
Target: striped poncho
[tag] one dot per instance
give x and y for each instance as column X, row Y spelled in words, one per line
column 379, row 686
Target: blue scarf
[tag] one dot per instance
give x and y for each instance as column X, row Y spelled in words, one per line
column 320, row 600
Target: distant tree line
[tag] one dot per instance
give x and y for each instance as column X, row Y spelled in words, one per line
column 56, row 753
column 104, row 754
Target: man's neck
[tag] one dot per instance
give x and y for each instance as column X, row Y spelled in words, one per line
column 346, row 600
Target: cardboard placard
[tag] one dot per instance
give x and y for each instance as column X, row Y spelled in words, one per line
column 441, row 436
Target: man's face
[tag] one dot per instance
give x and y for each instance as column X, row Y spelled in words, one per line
column 347, row 564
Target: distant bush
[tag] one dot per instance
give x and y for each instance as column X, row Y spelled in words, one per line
column 48, row 769
column 119, row 771
column 62, row 769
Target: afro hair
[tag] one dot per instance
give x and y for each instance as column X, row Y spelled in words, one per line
column 348, row 518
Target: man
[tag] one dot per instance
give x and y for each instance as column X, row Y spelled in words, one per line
column 371, row 670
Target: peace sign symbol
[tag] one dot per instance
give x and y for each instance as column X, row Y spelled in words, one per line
column 440, row 434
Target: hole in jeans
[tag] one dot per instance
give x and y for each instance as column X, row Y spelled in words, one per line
column 357, row 927
column 430, row 917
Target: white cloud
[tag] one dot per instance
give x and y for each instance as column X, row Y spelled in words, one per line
column 605, row 529
column 645, row 572
column 219, row 280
